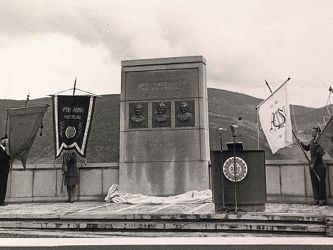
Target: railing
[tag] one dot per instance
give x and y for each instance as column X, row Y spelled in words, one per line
column 286, row 181
column 289, row 181
column 43, row 182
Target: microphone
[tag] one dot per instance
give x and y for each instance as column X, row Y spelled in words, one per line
column 222, row 129
column 233, row 130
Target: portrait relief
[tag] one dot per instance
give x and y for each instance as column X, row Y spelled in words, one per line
column 161, row 114
column 138, row 115
column 185, row 113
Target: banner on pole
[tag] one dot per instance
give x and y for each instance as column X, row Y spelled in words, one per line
column 274, row 117
column 23, row 125
column 72, row 116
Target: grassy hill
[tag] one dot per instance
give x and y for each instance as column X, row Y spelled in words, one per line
column 225, row 108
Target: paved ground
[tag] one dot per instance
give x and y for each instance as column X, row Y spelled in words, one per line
column 98, row 210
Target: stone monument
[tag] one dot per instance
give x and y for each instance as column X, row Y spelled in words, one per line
column 164, row 144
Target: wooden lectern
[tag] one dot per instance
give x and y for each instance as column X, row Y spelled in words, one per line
column 250, row 180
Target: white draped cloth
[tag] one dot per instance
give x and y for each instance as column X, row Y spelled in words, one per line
column 194, row 196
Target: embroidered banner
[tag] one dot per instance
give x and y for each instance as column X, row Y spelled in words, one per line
column 274, row 116
column 72, row 116
column 23, row 125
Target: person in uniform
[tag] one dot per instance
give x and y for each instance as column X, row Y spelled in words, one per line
column 71, row 173
column 317, row 167
column 4, row 169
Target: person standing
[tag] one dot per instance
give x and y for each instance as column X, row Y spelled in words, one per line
column 317, row 166
column 71, row 174
column 4, row 169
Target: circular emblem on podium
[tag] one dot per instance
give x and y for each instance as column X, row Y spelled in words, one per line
column 70, row 132
column 241, row 169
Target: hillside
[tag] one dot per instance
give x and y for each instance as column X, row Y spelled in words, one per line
column 225, row 108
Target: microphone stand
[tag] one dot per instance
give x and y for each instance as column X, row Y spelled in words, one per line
column 235, row 179
column 222, row 175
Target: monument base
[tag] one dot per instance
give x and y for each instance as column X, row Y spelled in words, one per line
column 241, row 208
column 163, row 178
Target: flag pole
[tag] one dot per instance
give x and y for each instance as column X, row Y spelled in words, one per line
column 304, row 172
column 74, row 88
column 268, row 87
column 258, row 129
column 306, row 156
column 272, row 93
column 27, row 100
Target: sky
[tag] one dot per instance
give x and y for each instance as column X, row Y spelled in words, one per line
column 45, row 44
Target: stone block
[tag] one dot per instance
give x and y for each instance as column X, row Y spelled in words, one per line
column 90, row 182
column 44, row 183
column 9, row 180
column 162, row 145
column 21, row 184
column 292, row 180
column 59, row 184
column 110, row 176
column 273, row 180
column 329, row 172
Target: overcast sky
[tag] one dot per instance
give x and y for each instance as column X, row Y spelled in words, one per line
column 45, row 44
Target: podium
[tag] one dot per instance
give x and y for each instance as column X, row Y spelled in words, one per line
column 251, row 180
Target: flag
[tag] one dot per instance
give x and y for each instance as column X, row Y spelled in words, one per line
column 274, row 117
column 23, row 125
column 325, row 139
column 72, row 117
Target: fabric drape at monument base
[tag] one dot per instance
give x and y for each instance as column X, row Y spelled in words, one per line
column 326, row 138
column 23, row 125
column 72, row 116
column 193, row 196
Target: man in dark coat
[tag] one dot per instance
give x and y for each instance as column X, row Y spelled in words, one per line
column 4, row 169
column 71, row 173
column 318, row 167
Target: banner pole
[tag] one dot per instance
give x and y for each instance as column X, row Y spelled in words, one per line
column 273, row 93
column 258, row 129
column 222, row 175
column 258, row 121
column 74, row 86
column 306, row 156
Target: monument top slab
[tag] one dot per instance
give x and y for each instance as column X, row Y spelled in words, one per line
column 167, row 60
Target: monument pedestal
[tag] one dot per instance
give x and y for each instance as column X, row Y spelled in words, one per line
column 164, row 144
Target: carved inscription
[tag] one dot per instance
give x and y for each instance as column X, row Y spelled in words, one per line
column 153, row 86
column 161, row 84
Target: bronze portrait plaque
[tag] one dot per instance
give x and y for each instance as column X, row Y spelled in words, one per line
column 161, row 114
column 185, row 113
column 138, row 115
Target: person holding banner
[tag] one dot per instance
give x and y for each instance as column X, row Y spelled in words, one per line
column 70, row 173
column 4, row 169
column 318, row 165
